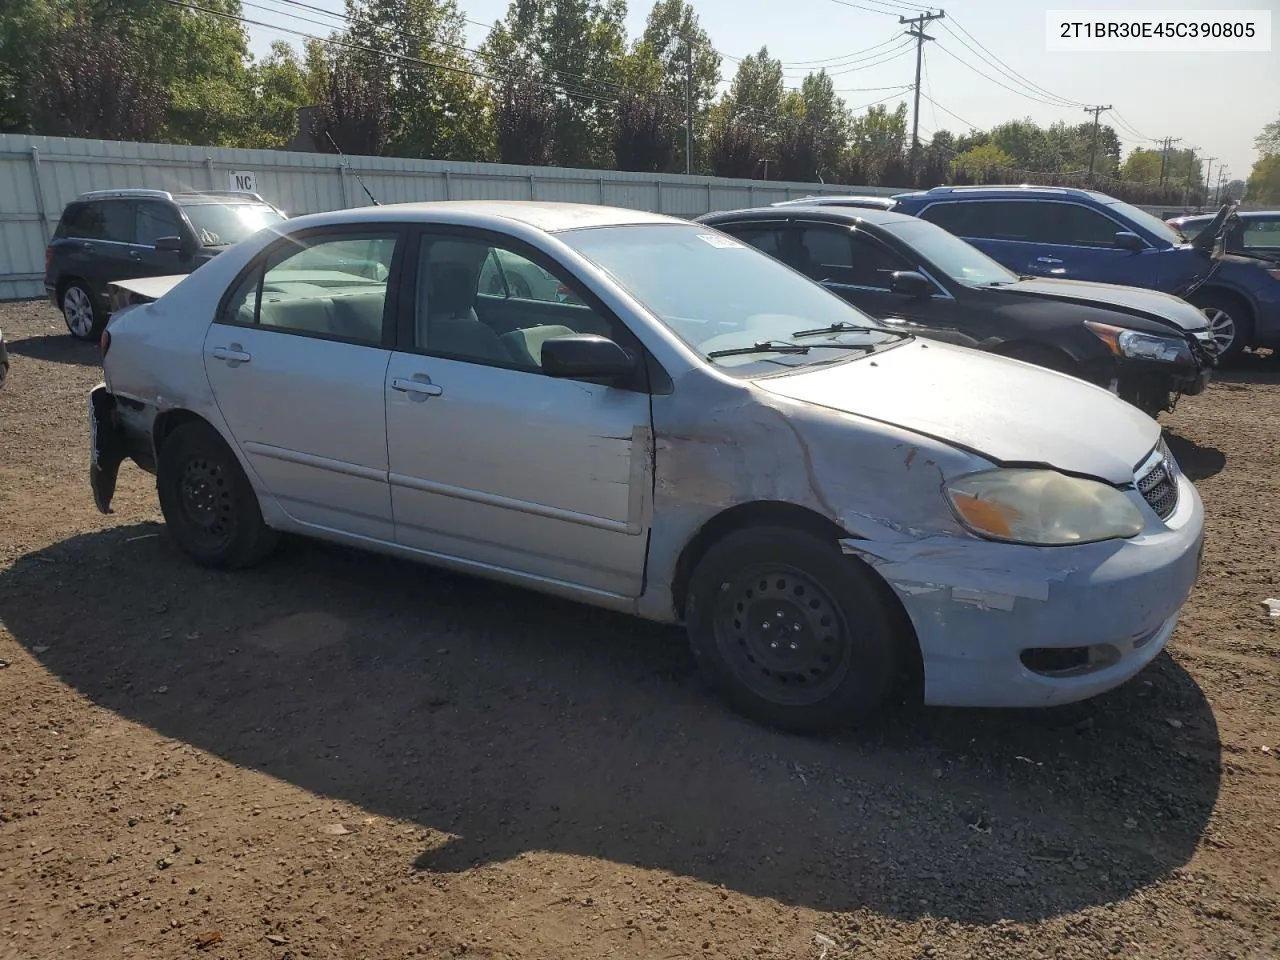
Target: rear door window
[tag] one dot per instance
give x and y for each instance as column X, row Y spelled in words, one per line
column 986, row 219
column 118, row 220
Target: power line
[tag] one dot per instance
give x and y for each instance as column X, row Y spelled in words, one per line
column 1131, row 128
column 971, row 126
column 831, row 60
column 984, row 76
column 858, row 6
column 1004, row 68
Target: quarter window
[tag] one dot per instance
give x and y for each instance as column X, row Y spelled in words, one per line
column 334, row 287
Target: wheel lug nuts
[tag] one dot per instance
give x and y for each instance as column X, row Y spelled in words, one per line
column 793, row 645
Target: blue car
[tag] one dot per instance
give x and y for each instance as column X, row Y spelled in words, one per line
column 1084, row 235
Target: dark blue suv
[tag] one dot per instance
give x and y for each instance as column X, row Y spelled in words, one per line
column 1082, row 235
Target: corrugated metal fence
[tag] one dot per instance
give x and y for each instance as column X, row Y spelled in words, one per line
column 40, row 175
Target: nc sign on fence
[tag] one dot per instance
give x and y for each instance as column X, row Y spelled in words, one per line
column 244, row 180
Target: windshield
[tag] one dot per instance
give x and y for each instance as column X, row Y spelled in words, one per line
column 220, row 224
column 1148, row 221
column 718, row 294
column 960, row 261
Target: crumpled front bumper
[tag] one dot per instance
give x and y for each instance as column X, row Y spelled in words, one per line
column 978, row 606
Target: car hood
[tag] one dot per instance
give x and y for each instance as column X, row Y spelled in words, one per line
column 149, row 288
column 1150, row 304
column 1005, row 410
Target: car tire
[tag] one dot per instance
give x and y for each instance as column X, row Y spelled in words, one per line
column 81, row 313
column 209, row 506
column 1227, row 314
column 793, row 633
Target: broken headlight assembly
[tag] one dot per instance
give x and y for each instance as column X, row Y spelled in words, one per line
column 1042, row 508
column 1136, row 345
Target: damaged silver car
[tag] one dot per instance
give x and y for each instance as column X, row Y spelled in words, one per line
column 697, row 435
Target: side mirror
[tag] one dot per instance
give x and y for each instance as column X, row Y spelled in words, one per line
column 585, row 356
column 1129, row 241
column 173, row 245
column 911, row 283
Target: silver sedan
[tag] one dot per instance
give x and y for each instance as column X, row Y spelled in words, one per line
column 693, row 434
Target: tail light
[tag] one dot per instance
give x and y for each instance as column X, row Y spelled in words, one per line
column 1275, row 274
column 48, row 258
column 104, row 343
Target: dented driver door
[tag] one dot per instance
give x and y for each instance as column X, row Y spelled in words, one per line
column 494, row 462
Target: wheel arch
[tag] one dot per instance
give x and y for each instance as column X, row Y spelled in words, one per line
column 781, row 513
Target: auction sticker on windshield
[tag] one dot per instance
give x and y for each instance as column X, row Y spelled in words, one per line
column 724, row 243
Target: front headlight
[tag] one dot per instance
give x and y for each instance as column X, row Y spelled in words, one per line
column 1042, row 508
column 1137, row 345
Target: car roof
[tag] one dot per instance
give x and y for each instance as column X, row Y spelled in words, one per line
column 827, row 211
column 853, row 200
column 993, row 190
column 549, row 217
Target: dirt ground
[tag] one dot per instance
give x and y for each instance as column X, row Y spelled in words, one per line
column 338, row 755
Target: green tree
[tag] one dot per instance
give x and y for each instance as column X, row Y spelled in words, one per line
column 1267, row 142
column 437, row 106
column 982, row 160
column 25, row 29
column 677, row 41
column 1264, row 180
column 1141, row 165
column 1024, row 141
column 280, row 89
column 576, row 49
column 829, row 120
column 877, row 140
column 756, row 90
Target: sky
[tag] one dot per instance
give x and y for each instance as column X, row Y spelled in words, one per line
column 1216, row 102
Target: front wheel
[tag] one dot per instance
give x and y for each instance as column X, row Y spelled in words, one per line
column 209, row 507
column 84, row 320
column 792, row 632
column 1229, row 322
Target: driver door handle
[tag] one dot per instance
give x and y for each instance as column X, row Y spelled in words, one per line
column 1047, row 260
column 232, row 354
column 419, row 386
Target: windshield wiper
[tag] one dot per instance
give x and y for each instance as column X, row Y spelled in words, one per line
column 842, row 327
column 760, row 346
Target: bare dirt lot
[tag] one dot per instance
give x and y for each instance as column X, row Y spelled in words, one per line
column 337, row 755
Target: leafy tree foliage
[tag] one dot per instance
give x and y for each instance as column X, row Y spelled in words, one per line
column 525, row 123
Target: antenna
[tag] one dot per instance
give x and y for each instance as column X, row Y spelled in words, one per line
column 367, row 193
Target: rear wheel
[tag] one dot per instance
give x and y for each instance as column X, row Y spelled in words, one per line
column 1229, row 321
column 82, row 316
column 792, row 632
column 209, row 507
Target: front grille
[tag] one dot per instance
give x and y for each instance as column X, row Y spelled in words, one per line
column 1159, row 487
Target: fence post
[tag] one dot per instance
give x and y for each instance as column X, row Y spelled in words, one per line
column 213, row 182
column 709, row 207
column 532, row 194
column 600, row 189
column 658, row 183
column 448, row 193
column 342, row 178
column 41, row 211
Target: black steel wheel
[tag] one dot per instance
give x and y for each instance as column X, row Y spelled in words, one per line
column 209, row 507
column 795, row 634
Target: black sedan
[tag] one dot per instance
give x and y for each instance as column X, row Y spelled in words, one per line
column 1147, row 347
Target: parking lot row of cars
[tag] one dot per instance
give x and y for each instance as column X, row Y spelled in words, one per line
column 770, row 426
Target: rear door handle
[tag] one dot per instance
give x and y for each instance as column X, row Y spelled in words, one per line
column 419, row 386
column 233, row 355
column 1047, row 260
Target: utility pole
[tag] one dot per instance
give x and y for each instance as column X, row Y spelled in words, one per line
column 917, row 31
column 1093, row 150
column 1164, row 155
column 1207, row 168
column 688, row 104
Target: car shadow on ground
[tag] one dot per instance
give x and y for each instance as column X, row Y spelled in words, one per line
column 1253, row 367
column 1197, row 461
column 57, row 348
column 514, row 722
